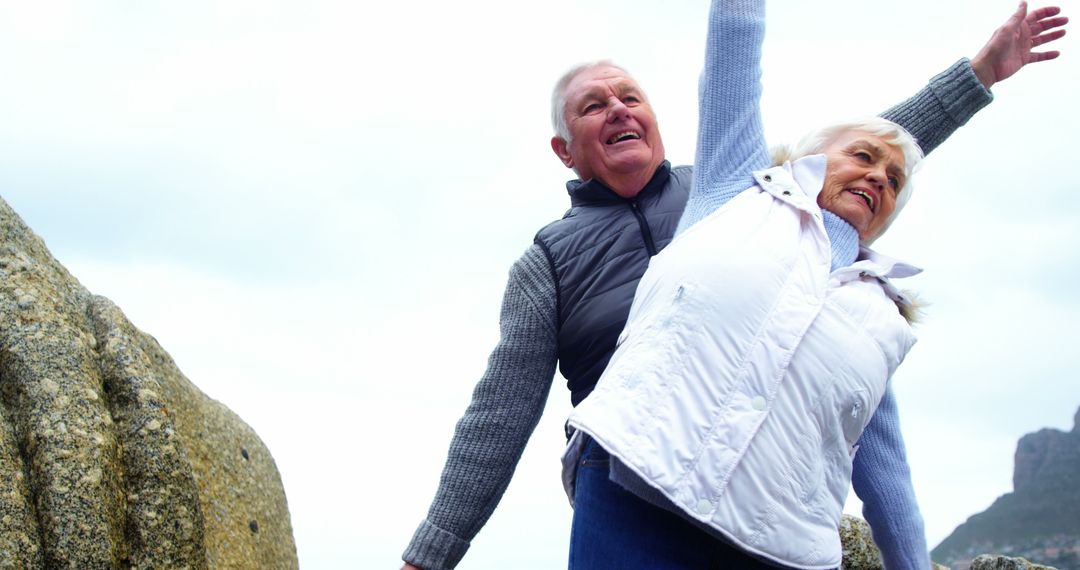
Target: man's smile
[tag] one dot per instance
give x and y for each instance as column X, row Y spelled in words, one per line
column 623, row 136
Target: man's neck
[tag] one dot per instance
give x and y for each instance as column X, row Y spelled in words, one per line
column 630, row 184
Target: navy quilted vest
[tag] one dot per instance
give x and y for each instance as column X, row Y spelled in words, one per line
column 598, row 251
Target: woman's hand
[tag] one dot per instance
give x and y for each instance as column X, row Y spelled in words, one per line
column 1010, row 47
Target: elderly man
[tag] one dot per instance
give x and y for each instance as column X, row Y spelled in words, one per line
column 569, row 295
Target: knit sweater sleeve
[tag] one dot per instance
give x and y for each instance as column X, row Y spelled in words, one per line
column 731, row 140
column 506, row 406
column 882, row 479
column 944, row 105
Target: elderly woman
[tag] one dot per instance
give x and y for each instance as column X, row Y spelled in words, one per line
column 761, row 340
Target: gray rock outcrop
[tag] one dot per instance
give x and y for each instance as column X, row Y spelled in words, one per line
column 1040, row 519
column 109, row 456
column 1047, row 458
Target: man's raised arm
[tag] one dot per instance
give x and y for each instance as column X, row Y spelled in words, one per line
column 956, row 94
column 880, row 475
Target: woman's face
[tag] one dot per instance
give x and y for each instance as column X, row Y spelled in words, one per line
column 863, row 176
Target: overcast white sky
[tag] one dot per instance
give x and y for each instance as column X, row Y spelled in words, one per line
column 312, row 206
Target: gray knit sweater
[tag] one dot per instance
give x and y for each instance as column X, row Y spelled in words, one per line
column 509, row 399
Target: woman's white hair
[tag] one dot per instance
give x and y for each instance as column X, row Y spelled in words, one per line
column 817, row 141
column 558, row 95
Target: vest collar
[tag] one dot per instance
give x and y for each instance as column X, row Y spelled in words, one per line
column 881, row 265
column 797, row 183
column 592, row 191
column 809, row 172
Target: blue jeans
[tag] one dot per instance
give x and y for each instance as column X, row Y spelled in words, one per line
column 615, row 529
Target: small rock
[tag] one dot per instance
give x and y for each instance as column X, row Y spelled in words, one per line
column 998, row 562
column 859, row 550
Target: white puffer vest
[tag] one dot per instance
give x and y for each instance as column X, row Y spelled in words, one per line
column 747, row 371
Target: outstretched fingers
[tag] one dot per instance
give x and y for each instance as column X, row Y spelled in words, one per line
column 1036, row 57
column 1045, row 26
column 1047, row 37
column 1040, row 23
column 1049, row 31
column 1044, row 13
column 1011, row 46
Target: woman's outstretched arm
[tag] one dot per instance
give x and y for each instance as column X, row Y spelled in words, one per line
column 731, row 141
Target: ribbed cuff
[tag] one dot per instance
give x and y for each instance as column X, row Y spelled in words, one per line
column 433, row 548
column 956, row 94
column 960, row 91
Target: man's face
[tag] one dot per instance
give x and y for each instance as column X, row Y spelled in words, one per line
column 612, row 127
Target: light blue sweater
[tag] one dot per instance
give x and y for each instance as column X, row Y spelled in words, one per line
column 731, row 139
column 731, row 146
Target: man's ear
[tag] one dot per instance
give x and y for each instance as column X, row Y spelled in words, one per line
column 562, row 151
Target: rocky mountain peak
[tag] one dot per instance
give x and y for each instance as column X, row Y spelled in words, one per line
column 1038, row 520
column 1046, row 458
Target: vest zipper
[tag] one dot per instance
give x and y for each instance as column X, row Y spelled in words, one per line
column 646, row 233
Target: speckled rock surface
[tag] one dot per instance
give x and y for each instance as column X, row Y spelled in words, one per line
column 992, row 562
column 860, row 552
column 109, row 456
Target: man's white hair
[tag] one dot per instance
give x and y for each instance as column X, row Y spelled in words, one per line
column 816, row 141
column 558, row 95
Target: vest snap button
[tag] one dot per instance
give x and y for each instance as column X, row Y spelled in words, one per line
column 758, row 403
column 703, row 507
